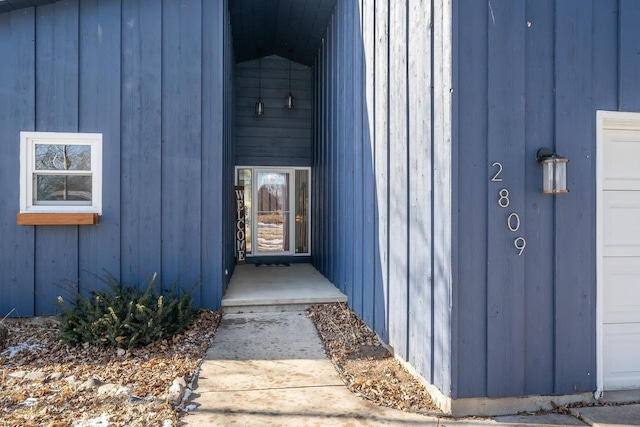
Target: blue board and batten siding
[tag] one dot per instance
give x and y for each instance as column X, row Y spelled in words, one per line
column 379, row 131
column 155, row 78
column 527, row 75
column 281, row 136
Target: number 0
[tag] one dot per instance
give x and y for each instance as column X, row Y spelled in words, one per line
column 520, row 243
column 512, row 217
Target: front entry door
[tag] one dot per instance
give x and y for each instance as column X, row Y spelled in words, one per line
column 272, row 213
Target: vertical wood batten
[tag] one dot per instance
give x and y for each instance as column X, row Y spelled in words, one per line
column 629, row 58
column 604, row 86
column 381, row 156
column 369, row 189
column 539, row 132
column 181, row 141
column 141, row 136
column 398, row 183
column 339, row 191
column 57, row 106
column 212, row 193
column 472, row 194
column 358, row 249
column 419, row 184
column 442, row 213
column 99, row 111
column 17, row 82
column 333, row 143
column 505, row 279
column 574, row 230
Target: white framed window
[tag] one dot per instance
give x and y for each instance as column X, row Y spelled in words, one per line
column 60, row 172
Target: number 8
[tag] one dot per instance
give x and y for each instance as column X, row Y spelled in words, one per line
column 503, row 201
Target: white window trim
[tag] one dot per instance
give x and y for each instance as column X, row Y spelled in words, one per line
column 27, row 166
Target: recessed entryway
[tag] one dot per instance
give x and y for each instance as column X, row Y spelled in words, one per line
column 619, row 250
column 278, row 287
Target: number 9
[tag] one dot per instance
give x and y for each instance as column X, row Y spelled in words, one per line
column 520, row 243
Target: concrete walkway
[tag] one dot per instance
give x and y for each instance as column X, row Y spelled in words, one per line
column 269, row 369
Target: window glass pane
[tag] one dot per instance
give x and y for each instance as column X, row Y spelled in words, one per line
column 302, row 211
column 69, row 188
column 273, row 212
column 244, row 178
column 63, row 157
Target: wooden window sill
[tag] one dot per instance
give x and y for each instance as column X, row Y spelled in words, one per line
column 57, row 218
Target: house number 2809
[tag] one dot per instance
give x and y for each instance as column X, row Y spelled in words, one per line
column 513, row 220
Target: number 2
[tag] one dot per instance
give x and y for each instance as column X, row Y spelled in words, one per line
column 495, row 177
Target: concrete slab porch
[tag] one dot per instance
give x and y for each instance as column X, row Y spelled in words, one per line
column 278, row 288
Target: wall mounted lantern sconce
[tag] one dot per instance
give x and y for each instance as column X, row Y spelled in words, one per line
column 259, row 105
column 289, row 99
column 554, row 171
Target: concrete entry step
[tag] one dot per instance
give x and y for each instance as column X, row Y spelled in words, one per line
column 278, row 287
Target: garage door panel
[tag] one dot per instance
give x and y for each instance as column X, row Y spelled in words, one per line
column 620, row 260
column 622, row 290
column 621, row 164
column 621, row 356
column 621, row 226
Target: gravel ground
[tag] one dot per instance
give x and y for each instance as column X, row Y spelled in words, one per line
column 46, row 383
column 366, row 367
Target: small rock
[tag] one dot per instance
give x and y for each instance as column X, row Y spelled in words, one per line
column 71, row 379
column 37, row 376
column 112, row 390
column 135, row 400
column 180, row 381
column 121, row 352
column 30, row 401
column 91, row 383
column 18, row 374
column 55, row 376
column 176, row 391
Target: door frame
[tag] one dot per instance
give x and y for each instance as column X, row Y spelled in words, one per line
column 612, row 120
column 292, row 205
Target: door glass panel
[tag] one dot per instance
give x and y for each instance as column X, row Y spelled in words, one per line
column 302, row 211
column 272, row 211
column 244, row 178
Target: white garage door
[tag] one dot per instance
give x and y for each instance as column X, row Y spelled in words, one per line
column 621, row 258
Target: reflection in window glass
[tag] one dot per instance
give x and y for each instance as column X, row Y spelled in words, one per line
column 272, row 212
column 71, row 188
column 244, row 178
column 63, row 157
column 302, row 211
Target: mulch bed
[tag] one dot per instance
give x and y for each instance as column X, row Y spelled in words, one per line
column 367, row 367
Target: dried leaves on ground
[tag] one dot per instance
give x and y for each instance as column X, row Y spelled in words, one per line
column 365, row 365
column 46, row 383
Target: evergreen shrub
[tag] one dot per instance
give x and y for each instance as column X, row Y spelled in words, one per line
column 124, row 316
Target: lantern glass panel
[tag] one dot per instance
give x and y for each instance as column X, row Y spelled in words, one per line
column 560, row 175
column 547, row 176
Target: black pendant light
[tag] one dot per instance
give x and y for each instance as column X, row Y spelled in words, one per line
column 289, row 99
column 259, row 105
